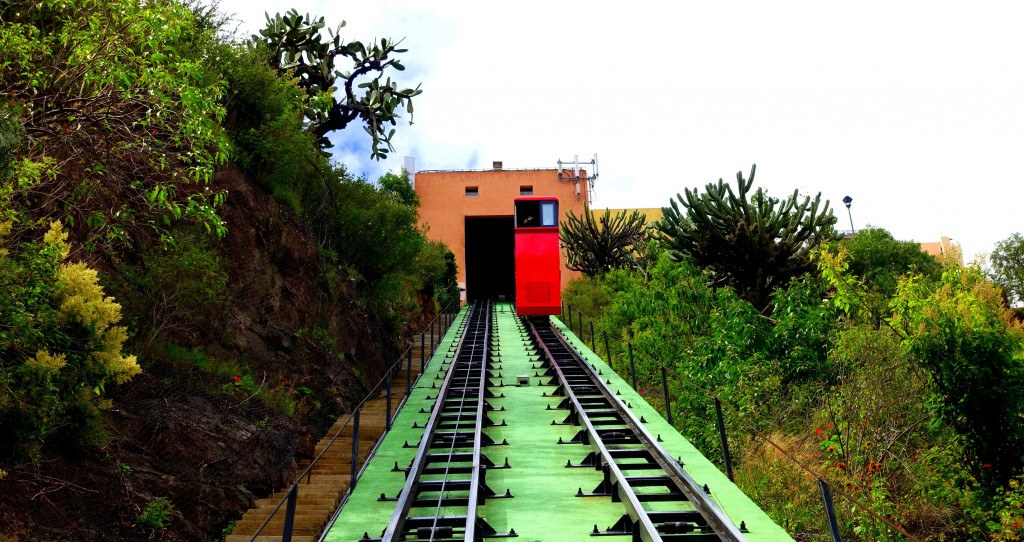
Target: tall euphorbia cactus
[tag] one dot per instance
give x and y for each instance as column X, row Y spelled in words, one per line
column 754, row 244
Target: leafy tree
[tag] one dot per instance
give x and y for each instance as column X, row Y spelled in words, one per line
column 595, row 246
column 298, row 48
column 1007, row 267
column 753, row 243
column 401, row 187
column 971, row 346
column 881, row 260
column 125, row 103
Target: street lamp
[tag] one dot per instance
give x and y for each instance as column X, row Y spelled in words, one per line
column 848, row 200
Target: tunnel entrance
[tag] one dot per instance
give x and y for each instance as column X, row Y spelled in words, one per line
column 490, row 258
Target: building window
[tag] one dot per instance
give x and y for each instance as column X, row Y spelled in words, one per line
column 525, row 190
column 548, row 211
column 472, row 191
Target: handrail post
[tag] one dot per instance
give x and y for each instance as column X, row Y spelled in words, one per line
column 668, row 402
column 724, row 438
column 607, row 351
column 423, row 354
column 826, row 497
column 408, row 370
column 387, row 412
column 569, row 312
column 355, row 450
column 632, row 365
column 579, row 320
column 289, row 514
column 593, row 339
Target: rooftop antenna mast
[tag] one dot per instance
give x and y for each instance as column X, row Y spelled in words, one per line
column 575, row 177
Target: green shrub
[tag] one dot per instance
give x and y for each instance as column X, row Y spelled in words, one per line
column 971, row 346
column 237, row 379
column 59, row 342
column 156, row 514
column 174, row 290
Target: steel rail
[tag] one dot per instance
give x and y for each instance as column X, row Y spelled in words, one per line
column 406, row 498
column 715, row 517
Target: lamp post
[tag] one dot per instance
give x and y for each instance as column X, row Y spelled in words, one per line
column 848, row 200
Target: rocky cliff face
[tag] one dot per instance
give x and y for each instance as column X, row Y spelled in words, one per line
column 185, row 433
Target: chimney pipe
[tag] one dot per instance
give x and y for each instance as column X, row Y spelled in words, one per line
column 497, row 165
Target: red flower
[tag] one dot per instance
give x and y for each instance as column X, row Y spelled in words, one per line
column 1016, row 524
column 986, row 465
column 818, row 431
column 828, row 425
column 236, row 379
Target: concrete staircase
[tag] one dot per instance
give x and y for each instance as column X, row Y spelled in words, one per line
column 321, row 492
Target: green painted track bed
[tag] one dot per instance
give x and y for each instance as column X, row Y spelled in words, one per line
column 544, row 505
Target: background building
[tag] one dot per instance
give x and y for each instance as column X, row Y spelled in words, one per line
column 471, row 212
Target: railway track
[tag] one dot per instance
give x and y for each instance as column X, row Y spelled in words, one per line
column 662, row 502
column 512, row 403
column 446, row 481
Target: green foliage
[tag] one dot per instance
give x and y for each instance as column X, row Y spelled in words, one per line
column 265, row 122
column 970, row 344
column 298, row 48
column 1009, row 524
column 126, row 102
column 10, row 139
column 804, row 321
column 709, row 338
column 880, row 260
column 400, row 186
column 753, row 243
column 237, row 379
column 1007, row 267
column 60, row 344
column 872, row 429
column 438, row 274
column 156, row 514
column 596, row 245
column 174, row 290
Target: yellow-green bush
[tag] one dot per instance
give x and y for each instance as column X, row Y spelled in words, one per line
column 60, row 344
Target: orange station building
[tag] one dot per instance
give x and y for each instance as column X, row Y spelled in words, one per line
column 471, row 212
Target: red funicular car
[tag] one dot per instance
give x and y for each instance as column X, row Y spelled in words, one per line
column 538, row 269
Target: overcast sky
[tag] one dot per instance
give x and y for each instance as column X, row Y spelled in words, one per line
column 913, row 109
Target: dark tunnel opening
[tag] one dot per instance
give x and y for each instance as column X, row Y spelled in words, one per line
column 490, row 258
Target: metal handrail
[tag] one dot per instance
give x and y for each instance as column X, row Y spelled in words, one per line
column 308, row 472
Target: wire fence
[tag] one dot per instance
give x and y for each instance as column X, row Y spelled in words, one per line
column 627, row 368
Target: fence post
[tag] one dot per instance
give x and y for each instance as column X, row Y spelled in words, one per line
column 387, row 412
column 423, row 354
column 569, row 312
column 632, row 366
column 289, row 514
column 725, row 440
column 579, row 320
column 833, row 524
column 668, row 402
column 408, row 369
column 593, row 339
column 607, row 351
column 355, row 450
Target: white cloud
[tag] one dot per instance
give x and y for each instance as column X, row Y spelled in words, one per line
column 913, row 108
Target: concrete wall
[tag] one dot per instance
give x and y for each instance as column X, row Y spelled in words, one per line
column 445, row 202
